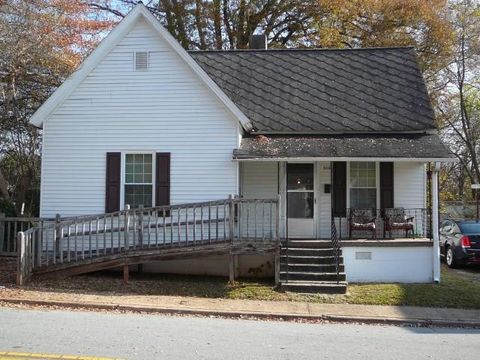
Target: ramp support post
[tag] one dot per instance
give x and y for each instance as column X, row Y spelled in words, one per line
column 125, row 274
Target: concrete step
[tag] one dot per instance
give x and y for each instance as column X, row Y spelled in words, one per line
column 311, row 267
column 312, row 276
column 322, row 287
column 307, row 243
column 309, row 251
column 306, row 260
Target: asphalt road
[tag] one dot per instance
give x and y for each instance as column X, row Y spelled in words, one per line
column 136, row 337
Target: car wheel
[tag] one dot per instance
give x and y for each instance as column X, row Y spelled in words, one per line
column 450, row 258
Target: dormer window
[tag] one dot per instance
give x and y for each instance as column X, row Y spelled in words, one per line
column 141, row 59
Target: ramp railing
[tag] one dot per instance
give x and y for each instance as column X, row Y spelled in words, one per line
column 75, row 239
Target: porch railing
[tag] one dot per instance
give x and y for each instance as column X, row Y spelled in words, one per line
column 230, row 221
column 347, row 226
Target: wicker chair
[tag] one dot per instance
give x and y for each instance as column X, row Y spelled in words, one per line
column 396, row 219
column 362, row 220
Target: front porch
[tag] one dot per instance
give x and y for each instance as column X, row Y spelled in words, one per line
column 357, row 200
column 353, row 221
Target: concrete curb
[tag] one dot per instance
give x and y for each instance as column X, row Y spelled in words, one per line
column 246, row 314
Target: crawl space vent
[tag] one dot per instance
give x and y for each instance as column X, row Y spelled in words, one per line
column 363, row 255
column 141, row 60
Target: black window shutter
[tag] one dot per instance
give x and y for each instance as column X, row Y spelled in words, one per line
column 339, row 188
column 386, row 185
column 112, row 190
column 162, row 179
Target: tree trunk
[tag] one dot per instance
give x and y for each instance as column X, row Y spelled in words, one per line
column 199, row 24
column 4, row 187
column 217, row 23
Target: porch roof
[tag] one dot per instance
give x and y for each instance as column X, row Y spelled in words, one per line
column 424, row 147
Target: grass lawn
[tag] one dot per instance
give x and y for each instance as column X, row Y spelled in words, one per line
column 455, row 290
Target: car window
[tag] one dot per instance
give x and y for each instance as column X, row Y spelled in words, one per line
column 446, row 227
column 470, row 228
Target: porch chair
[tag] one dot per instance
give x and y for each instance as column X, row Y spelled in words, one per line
column 396, row 219
column 362, row 220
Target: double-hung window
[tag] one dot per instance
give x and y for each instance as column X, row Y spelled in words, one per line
column 138, row 180
column 363, row 185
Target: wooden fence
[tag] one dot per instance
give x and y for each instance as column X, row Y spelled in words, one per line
column 9, row 228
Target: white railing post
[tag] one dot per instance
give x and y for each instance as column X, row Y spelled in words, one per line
column 435, row 234
column 57, row 238
column 231, row 231
column 277, row 240
column 126, row 226
column 231, row 217
column 140, row 226
column 21, row 266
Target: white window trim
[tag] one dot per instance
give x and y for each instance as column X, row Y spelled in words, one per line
column 122, row 174
column 377, row 183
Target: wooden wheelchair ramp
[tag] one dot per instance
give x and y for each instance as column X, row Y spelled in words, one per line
column 84, row 244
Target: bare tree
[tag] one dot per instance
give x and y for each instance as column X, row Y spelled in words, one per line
column 228, row 24
column 459, row 107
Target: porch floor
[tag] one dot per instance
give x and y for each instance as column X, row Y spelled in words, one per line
column 397, row 242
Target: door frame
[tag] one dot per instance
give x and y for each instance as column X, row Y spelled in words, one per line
column 315, row 196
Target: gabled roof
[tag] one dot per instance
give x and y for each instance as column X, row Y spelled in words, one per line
column 324, row 91
column 107, row 44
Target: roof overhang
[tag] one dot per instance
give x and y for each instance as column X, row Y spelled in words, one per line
column 394, row 147
column 329, row 159
column 108, row 43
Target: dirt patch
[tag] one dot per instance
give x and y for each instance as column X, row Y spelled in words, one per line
column 8, row 270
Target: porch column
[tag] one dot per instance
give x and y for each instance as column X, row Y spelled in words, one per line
column 435, row 233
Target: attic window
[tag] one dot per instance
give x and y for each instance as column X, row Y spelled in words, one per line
column 141, row 60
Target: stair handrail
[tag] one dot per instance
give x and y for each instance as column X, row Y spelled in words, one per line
column 336, row 248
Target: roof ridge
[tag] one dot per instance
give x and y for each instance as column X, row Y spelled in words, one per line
column 303, row 49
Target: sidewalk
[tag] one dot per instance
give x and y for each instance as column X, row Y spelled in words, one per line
column 247, row 308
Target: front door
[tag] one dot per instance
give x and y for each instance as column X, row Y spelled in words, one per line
column 300, row 200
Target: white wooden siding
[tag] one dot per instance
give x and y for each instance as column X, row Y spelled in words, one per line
column 324, row 200
column 164, row 109
column 409, row 185
column 259, row 180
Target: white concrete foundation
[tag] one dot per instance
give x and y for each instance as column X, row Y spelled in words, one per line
column 388, row 264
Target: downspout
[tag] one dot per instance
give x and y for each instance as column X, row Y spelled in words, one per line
column 435, row 233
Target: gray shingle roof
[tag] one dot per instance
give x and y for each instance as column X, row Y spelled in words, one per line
column 419, row 146
column 324, row 91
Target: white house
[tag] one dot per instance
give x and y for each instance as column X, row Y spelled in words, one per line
column 344, row 138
